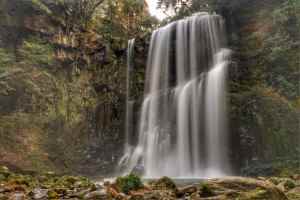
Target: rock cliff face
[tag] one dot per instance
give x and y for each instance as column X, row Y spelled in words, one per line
column 61, row 94
column 264, row 83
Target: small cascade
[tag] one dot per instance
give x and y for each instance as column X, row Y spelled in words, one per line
column 182, row 128
column 129, row 103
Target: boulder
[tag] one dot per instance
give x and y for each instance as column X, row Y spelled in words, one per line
column 242, row 188
column 164, row 183
column 99, row 194
column 39, row 193
column 18, row 196
column 294, row 194
column 187, row 190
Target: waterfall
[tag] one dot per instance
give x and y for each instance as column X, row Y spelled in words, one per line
column 182, row 128
column 129, row 103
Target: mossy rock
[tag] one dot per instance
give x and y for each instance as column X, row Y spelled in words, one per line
column 53, row 195
column 164, row 183
column 241, row 189
column 275, row 180
column 289, row 184
column 2, row 177
column 257, row 194
column 4, row 172
column 294, row 194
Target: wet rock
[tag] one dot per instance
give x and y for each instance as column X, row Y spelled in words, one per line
column 78, row 184
column 155, row 195
column 99, row 194
column 289, row 184
column 4, row 172
column 81, row 193
column 2, row 189
column 98, row 186
column 243, row 188
column 296, row 177
column 188, row 190
column 3, row 168
column 18, row 196
column 136, row 197
column 39, row 193
column 3, row 197
column 284, row 184
column 53, row 195
column 294, row 194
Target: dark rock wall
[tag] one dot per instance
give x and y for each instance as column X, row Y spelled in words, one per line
column 264, row 82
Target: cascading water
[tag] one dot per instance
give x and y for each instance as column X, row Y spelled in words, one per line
column 129, row 103
column 182, row 130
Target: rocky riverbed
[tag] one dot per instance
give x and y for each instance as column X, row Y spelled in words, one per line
column 51, row 186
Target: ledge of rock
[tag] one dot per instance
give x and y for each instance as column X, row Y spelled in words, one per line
column 52, row 186
column 215, row 189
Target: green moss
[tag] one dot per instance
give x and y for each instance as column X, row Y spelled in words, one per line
column 289, row 184
column 164, row 183
column 4, row 173
column 2, row 177
column 37, row 52
column 7, row 59
column 294, row 195
column 258, row 194
column 52, row 195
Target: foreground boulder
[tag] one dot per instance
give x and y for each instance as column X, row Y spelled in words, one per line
column 242, row 189
column 290, row 186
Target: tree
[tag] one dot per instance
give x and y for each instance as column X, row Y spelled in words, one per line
column 70, row 14
column 124, row 19
column 185, row 7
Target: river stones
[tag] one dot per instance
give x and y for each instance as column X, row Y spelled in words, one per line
column 19, row 187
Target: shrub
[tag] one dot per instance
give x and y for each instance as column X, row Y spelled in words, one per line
column 205, row 190
column 289, row 184
column 129, row 183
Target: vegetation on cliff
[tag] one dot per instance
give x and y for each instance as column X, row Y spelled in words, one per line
column 62, row 81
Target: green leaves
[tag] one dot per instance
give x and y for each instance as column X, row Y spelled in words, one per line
column 129, row 183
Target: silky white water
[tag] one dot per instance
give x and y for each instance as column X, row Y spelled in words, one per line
column 129, row 103
column 182, row 127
